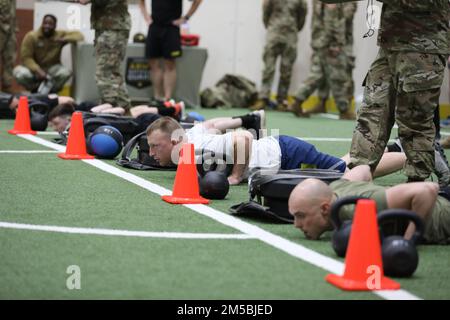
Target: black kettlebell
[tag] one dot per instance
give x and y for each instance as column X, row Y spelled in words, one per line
column 211, row 161
column 39, row 116
column 400, row 257
column 214, row 185
column 341, row 234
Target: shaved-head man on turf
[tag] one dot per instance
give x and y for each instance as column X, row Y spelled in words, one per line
column 311, row 200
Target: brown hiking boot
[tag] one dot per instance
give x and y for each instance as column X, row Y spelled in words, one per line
column 320, row 107
column 282, row 106
column 347, row 115
column 260, row 104
column 445, row 143
column 296, row 108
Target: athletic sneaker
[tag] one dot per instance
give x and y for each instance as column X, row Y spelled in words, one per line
column 180, row 108
column 396, row 146
column 259, row 123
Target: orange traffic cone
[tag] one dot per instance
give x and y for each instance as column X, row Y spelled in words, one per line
column 22, row 124
column 185, row 188
column 363, row 262
column 76, row 143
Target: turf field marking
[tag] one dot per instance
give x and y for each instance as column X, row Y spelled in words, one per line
column 329, row 116
column 47, row 133
column 293, row 249
column 325, row 139
column 28, row 151
column 124, row 233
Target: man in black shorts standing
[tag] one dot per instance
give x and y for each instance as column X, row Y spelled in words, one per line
column 164, row 42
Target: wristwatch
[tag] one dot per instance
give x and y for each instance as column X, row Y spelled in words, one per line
column 186, row 17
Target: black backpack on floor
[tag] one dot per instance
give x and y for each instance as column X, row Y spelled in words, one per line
column 269, row 192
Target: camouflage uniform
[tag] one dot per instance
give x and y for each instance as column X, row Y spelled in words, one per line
column 112, row 24
column 328, row 32
column 7, row 42
column 403, row 85
column 283, row 20
column 349, row 13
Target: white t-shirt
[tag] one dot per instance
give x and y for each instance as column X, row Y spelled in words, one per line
column 266, row 152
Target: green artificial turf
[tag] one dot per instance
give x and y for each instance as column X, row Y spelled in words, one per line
column 42, row 189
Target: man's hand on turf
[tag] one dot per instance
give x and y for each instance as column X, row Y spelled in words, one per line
column 234, row 181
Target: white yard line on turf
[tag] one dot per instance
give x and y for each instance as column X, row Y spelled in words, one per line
column 47, row 133
column 294, row 249
column 28, row 151
column 123, row 233
column 330, row 139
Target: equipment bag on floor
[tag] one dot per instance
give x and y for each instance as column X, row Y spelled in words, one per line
column 269, row 193
column 232, row 91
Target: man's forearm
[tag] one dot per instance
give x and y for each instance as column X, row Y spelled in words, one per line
column 73, row 36
column 242, row 144
column 193, row 8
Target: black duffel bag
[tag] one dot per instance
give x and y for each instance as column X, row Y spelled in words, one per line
column 269, row 192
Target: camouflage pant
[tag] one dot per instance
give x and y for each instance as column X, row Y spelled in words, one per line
column 324, row 91
column 327, row 69
column 110, row 48
column 402, row 87
column 59, row 74
column 287, row 51
column 8, row 56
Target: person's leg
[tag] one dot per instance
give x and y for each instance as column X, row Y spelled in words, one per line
column 25, row 78
column 254, row 122
column 170, row 78
column 108, row 108
column 288, row 57
column 337, row 71
column 270, row 54
column 139, row 110
column 157, row 73
column 390, row 162
column 154, row 53
column 59, row 75
column 323, row 93
column 297, row 153
column 110, row 47
column 171, row 50
column 314, row 80
column 222, row 124
column 375, row 117
column 8, row 56
column 417, row 99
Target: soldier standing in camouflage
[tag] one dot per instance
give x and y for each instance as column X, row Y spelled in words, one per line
column 329, row 42
column 283, row 20
column 111, row 21
column 323, row 92
column 403, row 85
column 7, row 42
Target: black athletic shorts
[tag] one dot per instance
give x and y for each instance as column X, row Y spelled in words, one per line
column 163, row 41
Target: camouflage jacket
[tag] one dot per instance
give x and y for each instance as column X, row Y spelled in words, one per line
column 7, row 15
column 328, row 25
column 110, row 15
column 418, row 26
column 284, row 16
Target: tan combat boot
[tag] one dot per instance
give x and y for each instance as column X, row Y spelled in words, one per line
column 445, row 143
column 347, row 115
column 297, row 109
column 320, row 107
